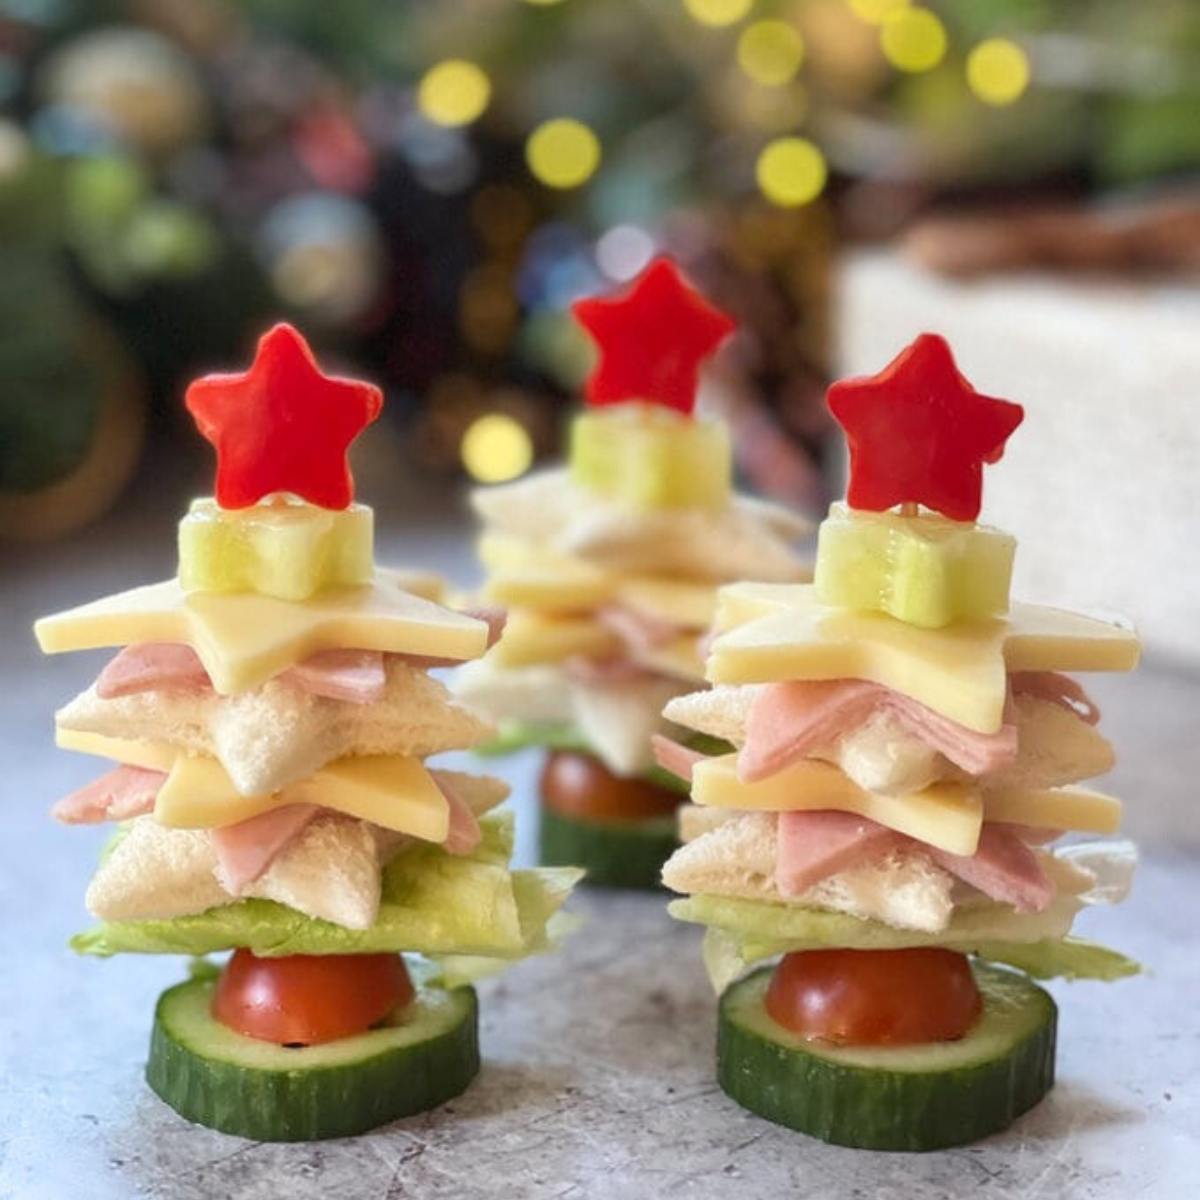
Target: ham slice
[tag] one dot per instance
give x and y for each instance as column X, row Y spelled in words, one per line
column 119, row 795
column 1003, row 867
column 1057, row 688
column 152, row 666
column 815, row 845
column 675, row 757
column 597, row 672
column 639, row 632
column 464, row 832
column 355, row 676
column 789, row 721
column 245, row 850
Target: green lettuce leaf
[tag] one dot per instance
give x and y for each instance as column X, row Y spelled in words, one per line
column 741, row 933
column 432, row 903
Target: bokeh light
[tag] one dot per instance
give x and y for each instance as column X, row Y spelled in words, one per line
column 913, row 39
column 454, row 92
column 791, row 171
column 717, row 12
column 562, row 153
column 875, row 12
column 998, row 71
column 623, row 250
column 770, row 52
column 496, row 448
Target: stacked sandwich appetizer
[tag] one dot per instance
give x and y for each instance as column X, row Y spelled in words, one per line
column 269, row 715
column 609, row 569
column 907, row 750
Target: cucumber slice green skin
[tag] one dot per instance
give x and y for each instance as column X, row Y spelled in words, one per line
column 892, row 1098
column 213, row 1076
column 617, row 854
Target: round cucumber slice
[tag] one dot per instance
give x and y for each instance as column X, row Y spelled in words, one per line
column 924, row 1097
column 211, row 1075
column 621, row 854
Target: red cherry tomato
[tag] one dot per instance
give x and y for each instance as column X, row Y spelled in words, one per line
column 875, row 997
column 580, row 786
column 304, row 999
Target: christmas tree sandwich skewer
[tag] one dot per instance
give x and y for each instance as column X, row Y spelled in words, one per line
column 907, row 751
column 268, row 718
column 609, row 570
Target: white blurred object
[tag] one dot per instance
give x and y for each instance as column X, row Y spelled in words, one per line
column 1101, row 484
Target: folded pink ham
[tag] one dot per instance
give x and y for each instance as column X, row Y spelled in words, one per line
column 639, row 631
column 790, row 721
column 245, row 850
column 814, row 845
column 119, row 795
column 464, row 832
column 355, row 676
column 674, row 757
column 1058, row 689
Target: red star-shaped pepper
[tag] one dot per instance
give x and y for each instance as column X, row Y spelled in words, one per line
column 283, row 426
column 920, row 433
column 652, row 339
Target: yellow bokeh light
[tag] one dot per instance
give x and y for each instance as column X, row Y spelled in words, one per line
column 454, row 92
column 543, row 3
column 998, row 71
column 562, row 153
column 496, row 448
column 791, row 171
column 875, row 12
column 717, row 12
column 770, row 52
column 913, row 40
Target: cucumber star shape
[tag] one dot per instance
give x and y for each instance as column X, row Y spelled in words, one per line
column 919, row 433
column 652, row 339
column 282, row 426
column 244, row 639
column 776, row 632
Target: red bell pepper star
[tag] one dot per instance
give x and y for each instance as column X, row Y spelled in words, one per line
column 652, row 339
column 283, row 426
column 920, row 433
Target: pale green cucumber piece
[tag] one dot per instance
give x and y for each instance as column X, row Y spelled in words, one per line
column 283, row 548
column 617, row 854
column 648, row 457
column 924, row 570
column 923, row 1097
column 213, row 1076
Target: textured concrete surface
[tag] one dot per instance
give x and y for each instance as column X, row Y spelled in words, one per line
column 598, row 1075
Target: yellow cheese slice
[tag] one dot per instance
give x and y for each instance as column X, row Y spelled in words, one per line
column 531, row 637
column 391, row 790
column 1055, row 808
column 506, row 551
column 781, row 632
column 243, row 639
column 572, row 589
column 680, row 601
column 946, row 815
column 152, row 756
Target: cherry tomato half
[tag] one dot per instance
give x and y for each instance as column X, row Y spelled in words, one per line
column 304, row 999
column 875, row 997
column 578, row 785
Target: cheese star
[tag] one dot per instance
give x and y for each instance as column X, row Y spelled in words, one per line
column 282, row 426
column 777, row 632
column 244, row 639
column 919, row 433
column 652, row 339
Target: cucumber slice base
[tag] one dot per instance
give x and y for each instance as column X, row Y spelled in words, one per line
column 617, row 854
column 924, row 1097
column 216, row 1077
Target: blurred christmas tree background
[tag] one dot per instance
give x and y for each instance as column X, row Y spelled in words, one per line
column 424, row 188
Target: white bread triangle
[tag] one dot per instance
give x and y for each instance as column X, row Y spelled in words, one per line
column 904, row 889
column 533, row 693
column 617, row 720
column 1054, row 745
column 480, row 793
column 694, row 819
column 278, row 734
column 331, row 871
column 745, row 539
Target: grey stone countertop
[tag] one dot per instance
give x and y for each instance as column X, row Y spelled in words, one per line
column 598, row 1074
